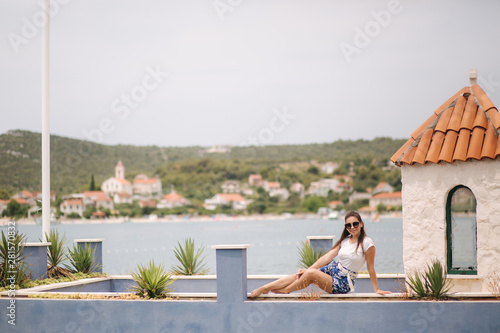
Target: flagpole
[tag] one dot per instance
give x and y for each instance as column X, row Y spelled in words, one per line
column 46, row 120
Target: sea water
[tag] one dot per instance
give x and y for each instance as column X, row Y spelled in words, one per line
column 273, row 251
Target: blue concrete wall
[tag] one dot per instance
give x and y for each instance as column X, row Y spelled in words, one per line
column 42, row 315
column 210, row 285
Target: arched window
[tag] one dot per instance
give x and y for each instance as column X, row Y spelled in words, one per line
column 461, row 231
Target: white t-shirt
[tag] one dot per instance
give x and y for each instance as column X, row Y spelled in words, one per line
column 351, row 260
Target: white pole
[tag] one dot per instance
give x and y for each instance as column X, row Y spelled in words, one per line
column 46, row 120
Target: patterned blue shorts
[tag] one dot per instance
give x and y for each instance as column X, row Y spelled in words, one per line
column 340, row 284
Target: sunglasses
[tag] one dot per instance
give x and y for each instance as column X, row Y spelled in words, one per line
column 351, row 225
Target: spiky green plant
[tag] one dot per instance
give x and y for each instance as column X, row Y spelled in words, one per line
column 82, row 259
column 13, row 268
column 56, row 255
column 307, row 255
column 418, row 285
column 152, row 281
column 438, row 284
column 433, row 283
column 191, row 261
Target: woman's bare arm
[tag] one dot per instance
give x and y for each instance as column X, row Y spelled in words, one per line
column 370, row 259
column 326, row 258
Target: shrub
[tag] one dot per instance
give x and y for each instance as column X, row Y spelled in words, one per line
column 307, row 255
column 12, row 259
column 82, row 260
column 433, row 283
column 56, row 254
column 152, row 281
column 190, row 261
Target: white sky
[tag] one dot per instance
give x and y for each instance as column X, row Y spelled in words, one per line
column 230, row 73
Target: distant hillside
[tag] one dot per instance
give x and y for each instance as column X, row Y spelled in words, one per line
column 74, row 161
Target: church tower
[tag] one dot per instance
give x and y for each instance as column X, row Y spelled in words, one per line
column 120, row 171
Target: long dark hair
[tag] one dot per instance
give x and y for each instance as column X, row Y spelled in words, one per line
column 346, row 233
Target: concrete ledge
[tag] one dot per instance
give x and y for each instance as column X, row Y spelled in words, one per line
column 231, row 246
column 287, row 315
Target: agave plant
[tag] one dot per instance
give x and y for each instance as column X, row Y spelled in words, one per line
column 82, row 260
column 439, row 285
column 152, row 281
column 307, row 255
column 56, row 254
column 190, row 260
column 418, row 285
column 13, row 268
column 432, row 283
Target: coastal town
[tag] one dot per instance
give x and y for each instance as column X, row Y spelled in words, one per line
column 117, row 197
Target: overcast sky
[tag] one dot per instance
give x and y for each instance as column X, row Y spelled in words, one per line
column 204, row 72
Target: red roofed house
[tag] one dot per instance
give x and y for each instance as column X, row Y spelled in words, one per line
column 172, row 200
column 145, row 186
column 38, row 195
column 99, row 199
column 335, row 203
column 383, row 187
column 69, row 206
column 450, row 170
column 270, row 186
column 25, row 197
column 392, row 199
column 225, row 199
column 255, row 180
column 117, row 184
column 122, row 198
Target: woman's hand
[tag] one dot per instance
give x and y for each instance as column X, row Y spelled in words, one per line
column 382, row 292
column 299, row 273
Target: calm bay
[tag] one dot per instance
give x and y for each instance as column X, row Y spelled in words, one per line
column 274, row 242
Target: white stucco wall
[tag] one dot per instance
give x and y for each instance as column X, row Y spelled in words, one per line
column 425, row 191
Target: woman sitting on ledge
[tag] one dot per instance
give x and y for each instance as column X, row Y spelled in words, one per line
column 353, row 249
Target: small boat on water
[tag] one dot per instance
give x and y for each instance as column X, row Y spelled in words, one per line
column 376, row 219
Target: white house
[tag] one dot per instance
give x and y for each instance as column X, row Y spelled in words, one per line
column 297, row 187
column 146, row 186
column 118, row 183
column 270, row 186
column 122, row 198
column 255, row 180
column 69, row 206
column 283, row 193
column 329, row 167
column 392, row 199
column 359, row 196
column 450, row 171
column 172, row 200
column 98, row 199
column 383, row 187
column 323, row 186
column 225, row 199
column 231, row 186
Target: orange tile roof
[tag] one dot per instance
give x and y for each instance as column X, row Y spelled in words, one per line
column 73, row 202
column 232, row 197
column 21, row 201
column 173, row 197
column 466, row 127
column 393, row 195
column 146, row 181
column 123, row 181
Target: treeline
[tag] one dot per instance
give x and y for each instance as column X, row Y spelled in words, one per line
column 190, row 170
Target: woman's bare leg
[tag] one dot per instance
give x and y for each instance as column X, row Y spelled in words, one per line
column 277, row 284
column 317, row 277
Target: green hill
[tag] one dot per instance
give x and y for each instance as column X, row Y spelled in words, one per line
column 74, row 161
